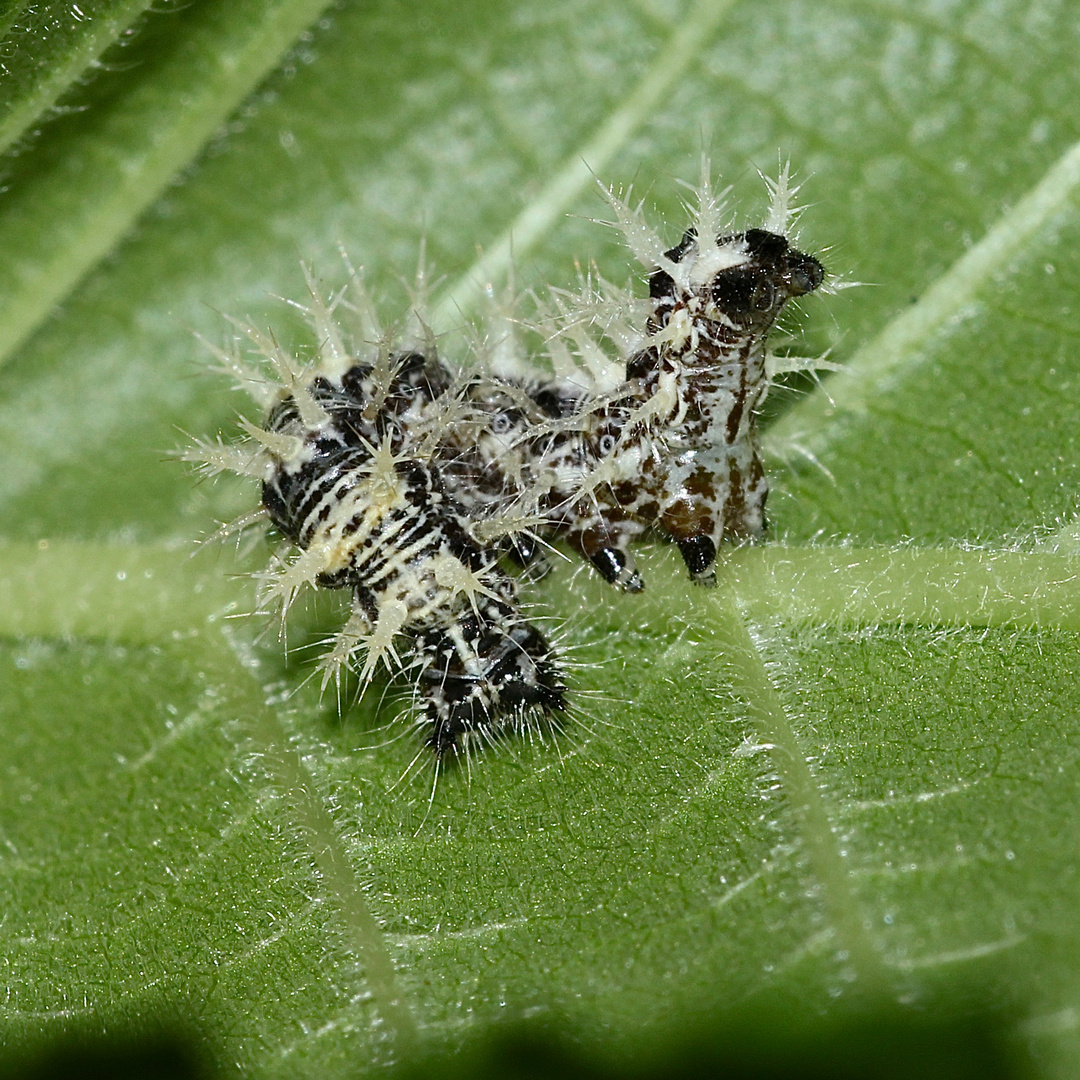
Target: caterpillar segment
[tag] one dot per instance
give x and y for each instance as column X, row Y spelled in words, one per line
column 412, row 484
column 367, row 506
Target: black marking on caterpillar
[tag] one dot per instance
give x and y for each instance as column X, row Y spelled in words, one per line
column 408, row 482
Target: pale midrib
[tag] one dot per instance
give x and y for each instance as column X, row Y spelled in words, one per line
column 908, row 585
column 136, row 174
column 905, row 343
column 694, row 30
column 364, row 937
column 142, row 594
column 741, row 661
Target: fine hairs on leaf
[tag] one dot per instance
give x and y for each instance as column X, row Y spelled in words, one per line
column 411, row 481
column 918, row 653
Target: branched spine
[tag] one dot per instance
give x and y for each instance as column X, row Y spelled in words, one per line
column 406, row 482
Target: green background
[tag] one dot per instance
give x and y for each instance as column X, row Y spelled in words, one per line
column 848, row 774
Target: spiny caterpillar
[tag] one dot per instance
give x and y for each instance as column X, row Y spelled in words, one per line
column 411, row 483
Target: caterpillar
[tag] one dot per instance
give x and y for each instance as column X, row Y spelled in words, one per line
column 413, row 484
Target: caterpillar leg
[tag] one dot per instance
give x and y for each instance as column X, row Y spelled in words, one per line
column 697, row 529
column 605, row 544
column 526, row 550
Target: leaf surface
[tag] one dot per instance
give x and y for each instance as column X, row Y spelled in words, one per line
column 851, row 769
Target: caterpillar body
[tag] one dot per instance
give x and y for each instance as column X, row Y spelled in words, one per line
column 411, row 484
column 675, row 447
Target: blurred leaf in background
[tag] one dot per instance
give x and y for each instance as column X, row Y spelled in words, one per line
column 848, row 775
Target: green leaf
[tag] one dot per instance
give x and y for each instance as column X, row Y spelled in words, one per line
column 93, row 180
column 45, row 49
column 849, row 773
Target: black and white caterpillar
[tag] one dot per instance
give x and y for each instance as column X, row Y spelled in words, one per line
column 412, row 483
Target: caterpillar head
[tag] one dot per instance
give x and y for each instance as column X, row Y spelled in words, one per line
column 743, row 279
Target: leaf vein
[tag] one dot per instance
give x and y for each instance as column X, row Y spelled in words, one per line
column 694, row 30
column 903, row 344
